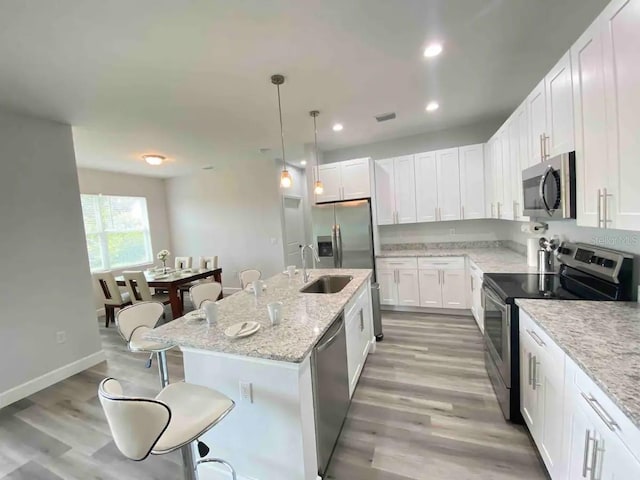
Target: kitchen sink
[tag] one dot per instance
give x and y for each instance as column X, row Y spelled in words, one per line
column 328, row 284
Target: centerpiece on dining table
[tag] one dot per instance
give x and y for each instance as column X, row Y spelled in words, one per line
column 162, row 256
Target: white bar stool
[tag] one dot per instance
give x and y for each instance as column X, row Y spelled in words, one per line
column 176, row 417
column 133, row 322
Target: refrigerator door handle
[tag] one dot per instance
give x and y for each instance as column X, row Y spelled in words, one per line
column 334, row 245
column 339, row 244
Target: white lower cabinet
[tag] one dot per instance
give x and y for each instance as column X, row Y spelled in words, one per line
column 454, row 289
column 388, row 287
column 408, row 290
column 475, row 279
column 398, row 280
column 358, row 326
column 430, row 288
column 577, row 429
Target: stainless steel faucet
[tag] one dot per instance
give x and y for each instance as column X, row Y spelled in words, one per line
column 305, row 274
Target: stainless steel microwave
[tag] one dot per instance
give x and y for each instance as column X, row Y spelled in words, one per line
column 549, row 188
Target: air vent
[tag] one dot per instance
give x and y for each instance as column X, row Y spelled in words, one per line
column 385, row 116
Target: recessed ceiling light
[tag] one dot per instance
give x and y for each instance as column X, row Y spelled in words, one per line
column 433, row 50
column 303, row 162
column 337, row 127
column 432, row 106
column 154, row 159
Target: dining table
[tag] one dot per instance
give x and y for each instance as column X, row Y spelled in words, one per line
column 173, row 280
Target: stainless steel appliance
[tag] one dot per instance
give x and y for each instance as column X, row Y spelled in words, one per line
column 586, row 273
column 330, row 378
column 549, row 188
column 343, row 236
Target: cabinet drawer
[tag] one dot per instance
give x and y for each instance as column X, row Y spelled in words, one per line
column 610, row 416
column 475, row 270
column 441, row 263
column 552, row 352
column 397, row 263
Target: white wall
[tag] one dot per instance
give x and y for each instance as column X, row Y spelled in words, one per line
column 45, row 286
column 153, row 189
column 454, row 231
column 232, row 211
column 424, row 142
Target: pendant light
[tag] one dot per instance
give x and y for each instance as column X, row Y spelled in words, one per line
column 285, row 177
column 319, row 187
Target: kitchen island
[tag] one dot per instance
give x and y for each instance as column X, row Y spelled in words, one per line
column 271, row 434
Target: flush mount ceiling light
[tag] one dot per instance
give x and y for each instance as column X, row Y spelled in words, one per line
column 337, row 127
column 285, row 177
column 433, row 50
column 432, row 106
column 303, row 162
column 154, row 159
column 318, row 189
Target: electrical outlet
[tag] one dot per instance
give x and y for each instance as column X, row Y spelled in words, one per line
column 61, row 336
column 246, row 392
column 452, row 231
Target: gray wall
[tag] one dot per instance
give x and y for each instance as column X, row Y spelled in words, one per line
column 425, row 142
column 45, row 286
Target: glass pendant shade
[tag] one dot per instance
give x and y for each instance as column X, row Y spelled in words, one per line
column 285, row 179
column 319, row 188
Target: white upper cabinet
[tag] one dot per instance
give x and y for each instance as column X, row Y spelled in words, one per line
column 489, row 178
column 536, row 105
column 471, row 181
column 355, row 179
column 405, row 189
column 498, row 174
column 522, row 118
column 395, row 190
column 559, row 134
column 346, row 180
column 385, row 191
column 590, row 124
column 331, row 179
column 426, row 187
column 621, row 47
column 448, row 174
column 507, row 176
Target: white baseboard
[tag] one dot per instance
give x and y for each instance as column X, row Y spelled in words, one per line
column 43, row 381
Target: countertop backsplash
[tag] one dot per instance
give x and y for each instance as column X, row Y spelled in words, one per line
column 511, row 245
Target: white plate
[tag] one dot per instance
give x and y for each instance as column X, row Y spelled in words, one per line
column 238, row 331
column 287, row 273
column 249, row 288
column 195, row 315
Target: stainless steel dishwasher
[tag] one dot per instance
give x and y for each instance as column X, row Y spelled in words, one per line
column 330, row 389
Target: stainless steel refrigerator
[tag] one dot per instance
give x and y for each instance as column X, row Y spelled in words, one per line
column 343, row 237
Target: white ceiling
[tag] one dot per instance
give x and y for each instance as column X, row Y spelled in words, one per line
column 190, row 79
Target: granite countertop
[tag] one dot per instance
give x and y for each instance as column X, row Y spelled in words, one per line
column 488, row 259
column 306, row 318
column 603, row 338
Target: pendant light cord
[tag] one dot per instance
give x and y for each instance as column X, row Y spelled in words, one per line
column 315, row 141
column 284, row 164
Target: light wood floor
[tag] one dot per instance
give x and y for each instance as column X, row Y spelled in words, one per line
column 423, row 409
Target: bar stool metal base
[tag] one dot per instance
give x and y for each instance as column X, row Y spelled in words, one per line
column 189, row 465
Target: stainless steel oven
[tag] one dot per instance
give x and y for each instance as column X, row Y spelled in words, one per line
column 549, row 188
column 497, row 337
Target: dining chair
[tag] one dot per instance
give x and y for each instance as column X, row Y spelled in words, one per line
column 248, row 276
column 173, row 419
column 183, row 262
column 136, row 320
column 139, row 290
column 112, row 297
column 208, row 262
column 204, row 291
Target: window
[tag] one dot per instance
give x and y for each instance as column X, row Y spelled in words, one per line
column 117, row 230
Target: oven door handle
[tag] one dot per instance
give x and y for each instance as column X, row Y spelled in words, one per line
column 543, row 182
column 494, row 298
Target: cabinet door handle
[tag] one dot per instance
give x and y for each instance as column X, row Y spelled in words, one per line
column 605, row 198
column 530, row 368
column 443, row 277
column 535, row 337
column 395, row 276
column 534, row 379
column 585, row 455
column 598, row 448
column 435, row 213
column 602, row 413
column 516, row 213
column 599, row 212
column 439, row 282
column 491, row 209
column 545, row 153
column 472, row 284
column 361, row 322
column 498, row 206
column 462, row 212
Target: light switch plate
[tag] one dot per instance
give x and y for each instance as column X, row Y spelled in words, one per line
column 246, row 392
